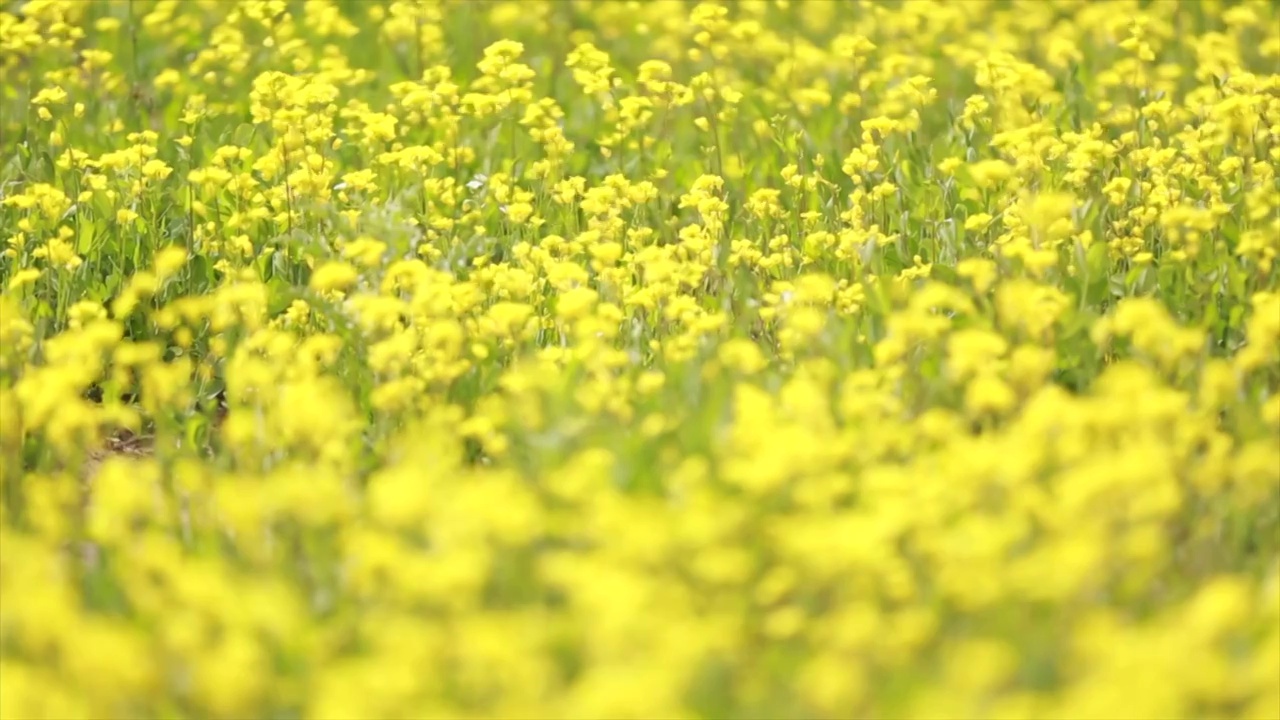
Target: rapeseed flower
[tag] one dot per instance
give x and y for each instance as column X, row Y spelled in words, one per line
column 639, row 359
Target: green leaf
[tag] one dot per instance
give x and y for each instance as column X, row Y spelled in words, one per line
column 1098, row 260
column 195, row 430
column 279, row 294
column 243, row 134
column 88, row 232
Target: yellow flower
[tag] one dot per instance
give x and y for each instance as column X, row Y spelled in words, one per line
column 333, row 276
column 26, row 276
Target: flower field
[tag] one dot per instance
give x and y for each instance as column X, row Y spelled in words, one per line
column 670, row 359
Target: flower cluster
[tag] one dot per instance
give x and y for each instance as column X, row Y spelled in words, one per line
column 639, row 359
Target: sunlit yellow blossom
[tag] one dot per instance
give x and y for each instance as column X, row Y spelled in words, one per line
column 537, row 358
